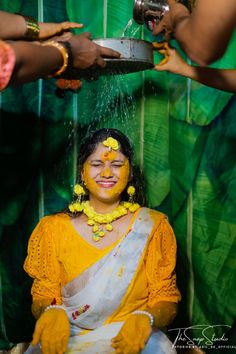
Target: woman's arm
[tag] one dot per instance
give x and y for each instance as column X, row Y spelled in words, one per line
column 205, row 33
column 164, row 313
column 14, row 26
column 222, row 79
column 33, row 61
column 136, row 330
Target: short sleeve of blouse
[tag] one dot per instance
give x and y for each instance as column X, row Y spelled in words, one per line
column 41, row 262
column 7, row 63
column 160, row 265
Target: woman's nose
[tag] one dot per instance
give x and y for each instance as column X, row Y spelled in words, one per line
column 106, row 172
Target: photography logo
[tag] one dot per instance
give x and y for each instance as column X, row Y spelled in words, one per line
column 201, row 336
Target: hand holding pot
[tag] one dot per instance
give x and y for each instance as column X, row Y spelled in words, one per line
column 88, row 54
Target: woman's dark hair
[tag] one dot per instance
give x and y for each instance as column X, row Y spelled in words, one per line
column 90, row 143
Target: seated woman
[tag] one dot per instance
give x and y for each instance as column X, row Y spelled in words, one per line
column 104, row 270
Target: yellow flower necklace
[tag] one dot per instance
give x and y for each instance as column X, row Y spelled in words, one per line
column 96, row 220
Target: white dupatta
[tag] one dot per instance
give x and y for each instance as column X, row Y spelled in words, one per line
column 99, row 290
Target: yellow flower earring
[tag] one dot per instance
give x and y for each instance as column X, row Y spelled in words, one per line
column 78, row 206
column 131, row 193
column 79, row 192
column 131, row 205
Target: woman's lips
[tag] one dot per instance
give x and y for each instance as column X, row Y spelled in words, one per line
column 106, row 184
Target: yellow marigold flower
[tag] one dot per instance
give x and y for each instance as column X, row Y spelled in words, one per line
column 131, row 190
column 101, row 219
column 78, row 206
column 88, row 212
column 127, row 205
column 95, row 228
column 71, row 208
column 101, row 233
column 96, row 238
column 109, row 227
column 107, row 219
column 79, row 190
column 112, row 143
column 134, row 207
column 122, row 210
column 116, row 214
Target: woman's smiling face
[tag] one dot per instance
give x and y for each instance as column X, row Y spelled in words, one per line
column 106, row 173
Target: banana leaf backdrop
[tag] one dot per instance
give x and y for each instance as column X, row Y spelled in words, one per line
column 185, row 141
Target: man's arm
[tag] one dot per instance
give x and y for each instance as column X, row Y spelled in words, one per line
column 205, row 33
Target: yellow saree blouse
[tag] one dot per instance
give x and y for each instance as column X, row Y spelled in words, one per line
column 57, row 254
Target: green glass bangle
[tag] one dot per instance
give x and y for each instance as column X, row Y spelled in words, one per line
column 32, row 28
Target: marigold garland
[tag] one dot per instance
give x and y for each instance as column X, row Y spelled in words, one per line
column 95, row 220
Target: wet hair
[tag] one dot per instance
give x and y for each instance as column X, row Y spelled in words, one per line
column 90, row 143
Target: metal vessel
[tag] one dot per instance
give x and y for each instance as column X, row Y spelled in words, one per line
column 136, row 55
column 149, row 12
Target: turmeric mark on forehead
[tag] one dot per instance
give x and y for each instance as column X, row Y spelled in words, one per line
column 109, row 155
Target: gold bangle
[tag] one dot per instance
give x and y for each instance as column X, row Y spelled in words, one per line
column 32, row 28
column 64, row 54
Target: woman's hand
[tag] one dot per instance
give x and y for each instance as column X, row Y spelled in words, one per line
column 172, row 61
column 52, row 330
column 133, row 335
column 47, row 30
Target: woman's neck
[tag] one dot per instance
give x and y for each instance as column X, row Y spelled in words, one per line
column 103, row 207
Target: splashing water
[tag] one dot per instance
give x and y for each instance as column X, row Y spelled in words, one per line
column 107, row 102
column 110, row 103
column 132, row 29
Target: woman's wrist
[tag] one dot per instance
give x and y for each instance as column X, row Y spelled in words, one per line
column 31, row 28
column 189, row 71
column 54, row 307
column 145, row 313
column 63, row 48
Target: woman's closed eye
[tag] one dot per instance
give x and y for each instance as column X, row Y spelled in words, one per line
column 96, row 164
column 117, row 164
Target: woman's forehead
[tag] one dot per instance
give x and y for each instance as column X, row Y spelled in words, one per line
column 101, row 152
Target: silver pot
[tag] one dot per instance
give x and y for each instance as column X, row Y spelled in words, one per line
column 149, row 12
column 136, row 55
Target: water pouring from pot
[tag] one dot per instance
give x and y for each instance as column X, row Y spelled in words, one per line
column 136, row 54
column 149, row 12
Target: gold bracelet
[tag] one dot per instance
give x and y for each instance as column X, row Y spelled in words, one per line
column 64, row 54
column 32, row 28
